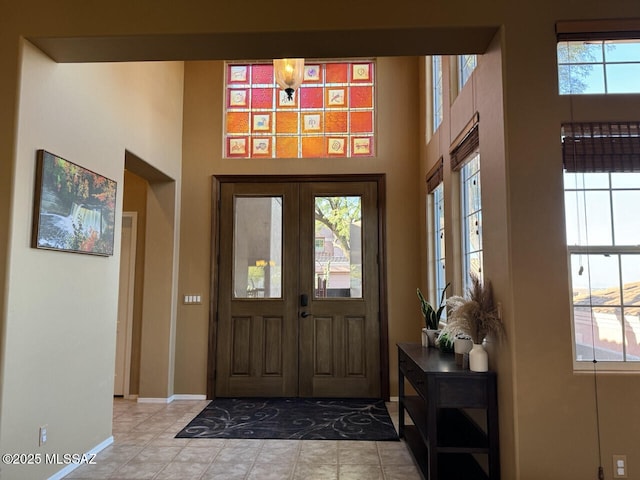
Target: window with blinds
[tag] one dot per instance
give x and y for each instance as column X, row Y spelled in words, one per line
column 602, row 194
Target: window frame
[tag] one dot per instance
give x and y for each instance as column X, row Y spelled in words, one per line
column 582, row 247
column 469, row 172
column 601, row 61
column 437, row 91
column 464, row 69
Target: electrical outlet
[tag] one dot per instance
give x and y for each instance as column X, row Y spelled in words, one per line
column 42, row 435
column 620, row 466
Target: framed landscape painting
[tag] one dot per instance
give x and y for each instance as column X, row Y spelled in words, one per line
column 74, row 208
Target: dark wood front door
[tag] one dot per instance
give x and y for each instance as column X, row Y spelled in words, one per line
column 298, row 290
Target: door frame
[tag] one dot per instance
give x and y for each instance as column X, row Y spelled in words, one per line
column 130, row 294
column 380, row 180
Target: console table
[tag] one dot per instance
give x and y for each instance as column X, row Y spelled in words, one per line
column 454, row 435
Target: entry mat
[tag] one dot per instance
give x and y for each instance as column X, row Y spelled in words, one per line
column 293, row 419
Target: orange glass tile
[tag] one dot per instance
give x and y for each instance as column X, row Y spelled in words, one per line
column 361, row 122
column 287, row 147
column 313, row 147
column 311, row 97
column 361, row 97
column 262, row 74
column 337, row 146
column 237, row 122
column 262, row 98
column 286, row 122
column 337, row 72
column 335, row 122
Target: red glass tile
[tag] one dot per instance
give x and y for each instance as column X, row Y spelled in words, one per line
column 335, row 122
column 337, row 72
column 287, row 147
column 237, row 122
column 237, row 98
column 311, row 97
column 237, row 74
column 362, row 146
column 361, row 97
column 262, row 98
column 262, row 74
column 313, row 146
column 312, row 73
column 238, row 147
column 362, row 122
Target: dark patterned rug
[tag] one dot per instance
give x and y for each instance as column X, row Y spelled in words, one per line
column 293, row 418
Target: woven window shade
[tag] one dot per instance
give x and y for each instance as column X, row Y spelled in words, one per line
column 435, row 176
column 461, row 152
column 601, row 147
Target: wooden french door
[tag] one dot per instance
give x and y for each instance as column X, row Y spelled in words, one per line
column 298, row 290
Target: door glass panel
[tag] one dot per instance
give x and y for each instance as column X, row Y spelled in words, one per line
column 338, row 247
column 257, row 247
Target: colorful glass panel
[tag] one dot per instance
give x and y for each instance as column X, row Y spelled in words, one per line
column 331, row 113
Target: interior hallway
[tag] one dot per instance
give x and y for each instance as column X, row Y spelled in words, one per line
column 145, row 448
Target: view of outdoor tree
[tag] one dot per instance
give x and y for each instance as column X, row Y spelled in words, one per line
column 576, row 63
column 338, row 214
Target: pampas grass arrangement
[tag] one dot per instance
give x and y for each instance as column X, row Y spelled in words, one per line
column 476, row 316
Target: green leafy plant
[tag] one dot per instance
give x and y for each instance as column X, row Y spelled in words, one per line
column 431, row 315
column 476, row 316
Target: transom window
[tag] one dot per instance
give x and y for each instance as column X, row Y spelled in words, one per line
column 436, row 68
column 330, row 115
column 599, row 66
column 466, row 66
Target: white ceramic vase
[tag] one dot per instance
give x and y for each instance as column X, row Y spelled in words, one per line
column 478, row 358
column 425, row 339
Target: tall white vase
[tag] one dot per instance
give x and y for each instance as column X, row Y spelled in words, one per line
column 478, row 358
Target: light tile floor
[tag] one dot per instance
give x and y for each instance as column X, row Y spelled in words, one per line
column 145, row 448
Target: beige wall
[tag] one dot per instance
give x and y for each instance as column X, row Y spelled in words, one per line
column 547, row 412
column 398, row 150
column 58, row 362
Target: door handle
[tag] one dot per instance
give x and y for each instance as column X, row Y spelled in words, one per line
column 304, row 314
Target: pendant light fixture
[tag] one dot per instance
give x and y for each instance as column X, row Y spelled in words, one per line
column 289, row 74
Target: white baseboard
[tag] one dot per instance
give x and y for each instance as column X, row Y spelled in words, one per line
column 189, row 396
column 71, row 467
column 179, row 396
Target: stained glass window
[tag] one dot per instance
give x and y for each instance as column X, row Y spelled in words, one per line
column 330, row 115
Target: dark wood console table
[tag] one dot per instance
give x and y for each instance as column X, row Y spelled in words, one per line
column 454, row 435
